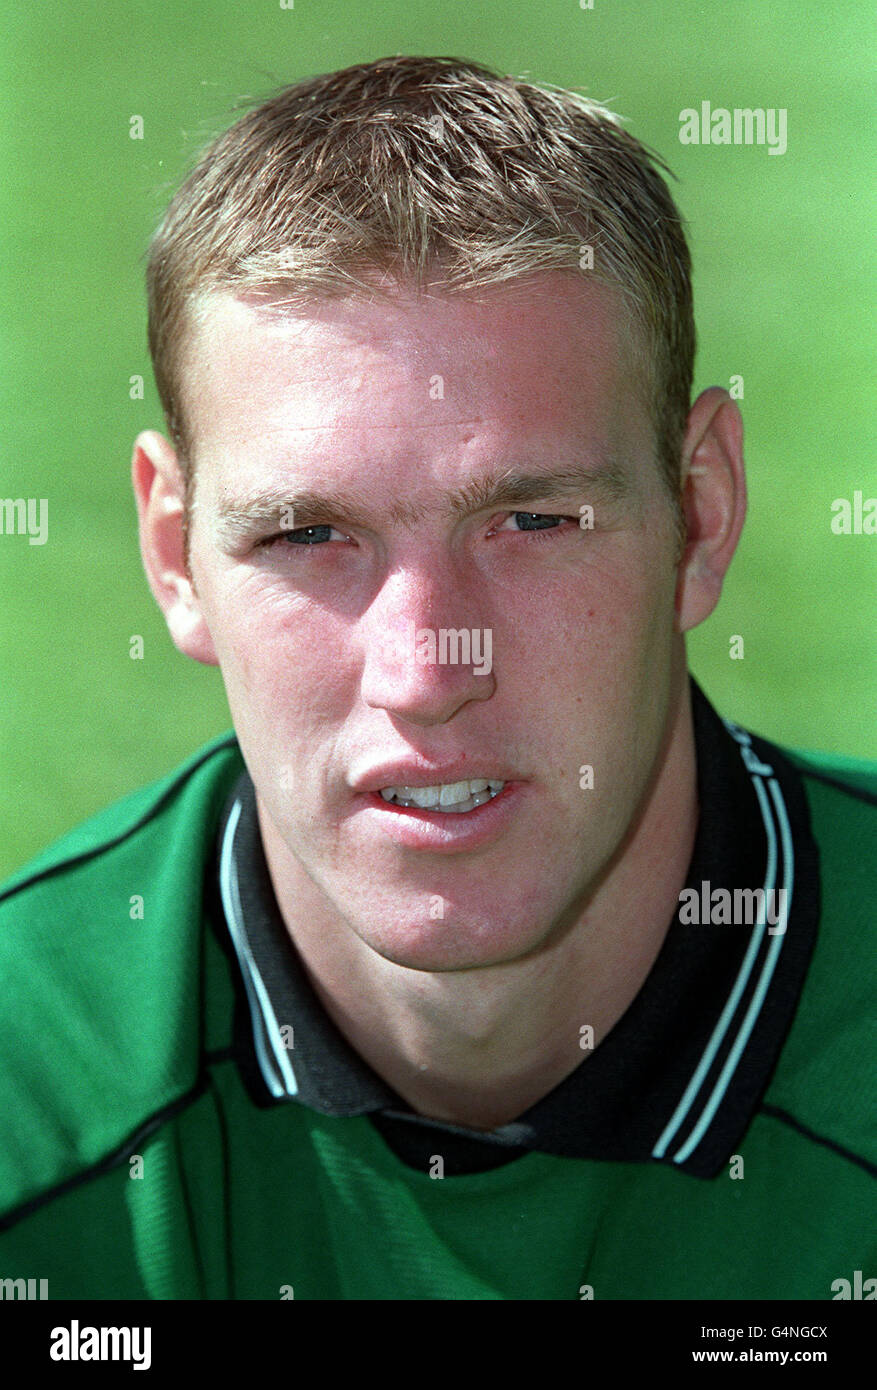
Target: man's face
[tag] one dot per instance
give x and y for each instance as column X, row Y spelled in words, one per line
column 396, row 411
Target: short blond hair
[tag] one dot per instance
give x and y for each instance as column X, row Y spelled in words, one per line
column 430, row 171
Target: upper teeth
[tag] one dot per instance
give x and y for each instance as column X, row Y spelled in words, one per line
column 445, row 794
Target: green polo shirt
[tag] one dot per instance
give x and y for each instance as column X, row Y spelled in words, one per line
column 157, row 1143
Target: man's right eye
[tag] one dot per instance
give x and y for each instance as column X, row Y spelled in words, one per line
column 302, row 535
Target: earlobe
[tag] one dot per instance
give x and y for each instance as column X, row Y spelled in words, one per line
column 159, row 489
column 714, row 502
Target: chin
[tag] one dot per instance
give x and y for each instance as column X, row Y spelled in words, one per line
column 450, row 945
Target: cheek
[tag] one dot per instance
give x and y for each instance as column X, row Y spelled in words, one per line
column 253, row 634
column 603, row 619
column 603, row 666
column 284, row 660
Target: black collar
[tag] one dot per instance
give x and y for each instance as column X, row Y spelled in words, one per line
column 680, row 1075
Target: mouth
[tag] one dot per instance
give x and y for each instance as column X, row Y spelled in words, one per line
column 469, row 822
column 448, row 798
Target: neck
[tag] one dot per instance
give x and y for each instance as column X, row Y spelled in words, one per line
column 478, row 1047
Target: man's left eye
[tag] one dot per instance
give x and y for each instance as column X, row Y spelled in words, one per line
column 538, row 521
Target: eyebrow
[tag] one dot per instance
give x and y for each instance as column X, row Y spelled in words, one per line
column 241, row 518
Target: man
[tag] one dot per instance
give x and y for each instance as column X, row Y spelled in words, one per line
column 484, row 960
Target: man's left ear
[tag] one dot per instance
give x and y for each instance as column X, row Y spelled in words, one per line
column 714, row 503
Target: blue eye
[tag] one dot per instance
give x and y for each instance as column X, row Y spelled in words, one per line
column 537, row 517
column 308, row 535
column 538, row 525
column 302, row 535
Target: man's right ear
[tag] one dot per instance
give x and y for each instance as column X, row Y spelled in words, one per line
column 159, row 488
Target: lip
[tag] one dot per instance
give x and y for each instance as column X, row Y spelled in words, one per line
column 438, row 831
column 420, row 775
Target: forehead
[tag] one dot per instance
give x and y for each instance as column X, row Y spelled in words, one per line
column 534, row 363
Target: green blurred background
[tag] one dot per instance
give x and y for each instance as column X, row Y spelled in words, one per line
column 782, row 292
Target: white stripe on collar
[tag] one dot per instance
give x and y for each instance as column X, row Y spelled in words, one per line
column 757, row 771
column 272, row 1055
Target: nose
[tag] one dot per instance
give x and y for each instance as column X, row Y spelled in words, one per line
column 426, row 654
